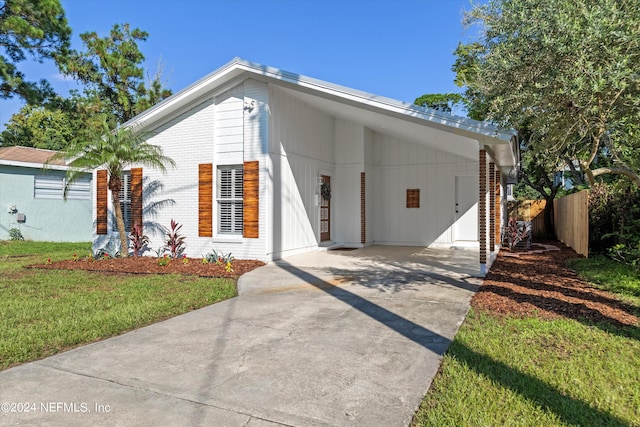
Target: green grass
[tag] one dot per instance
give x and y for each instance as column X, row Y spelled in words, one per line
column 531, row 372
column 606, row 274
column 43, row 312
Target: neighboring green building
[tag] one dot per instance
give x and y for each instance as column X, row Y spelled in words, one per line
column 31, row 198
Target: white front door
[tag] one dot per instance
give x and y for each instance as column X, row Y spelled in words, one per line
column 465, row 226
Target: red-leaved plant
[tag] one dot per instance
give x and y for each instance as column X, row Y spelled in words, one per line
column 175, row 242
column 138, row 240
column 516, row 233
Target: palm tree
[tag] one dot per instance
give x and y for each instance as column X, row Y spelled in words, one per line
column 114, row 151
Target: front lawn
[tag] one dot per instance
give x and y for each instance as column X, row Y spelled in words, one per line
column 545, row 352
column 43, row 312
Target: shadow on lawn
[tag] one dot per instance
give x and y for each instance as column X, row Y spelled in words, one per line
column 579, row 311
column 544, row 286
column 571, row 410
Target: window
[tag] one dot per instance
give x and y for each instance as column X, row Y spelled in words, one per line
column 229, row 191
column 49, row 187
column 125, row 200
column 509, row 192
column 80, row 189
column 52, row 187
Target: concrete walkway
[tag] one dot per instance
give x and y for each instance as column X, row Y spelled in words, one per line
column 326, row 338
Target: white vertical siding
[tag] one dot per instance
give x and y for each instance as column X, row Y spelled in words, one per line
column 398, row 166
column 369, row 160
column 301, row 148
column 229, row 126
column 349, row 160
column 255, row 122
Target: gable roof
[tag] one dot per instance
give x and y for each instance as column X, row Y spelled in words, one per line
column 377, row 112
column 28, row 156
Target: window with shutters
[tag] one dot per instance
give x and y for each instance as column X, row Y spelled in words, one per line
column 229, row 190
column 125, row 200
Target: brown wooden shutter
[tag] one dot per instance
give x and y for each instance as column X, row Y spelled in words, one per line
column 250, row 200
column 101, row 202
column 205, row 200
column 136, row 197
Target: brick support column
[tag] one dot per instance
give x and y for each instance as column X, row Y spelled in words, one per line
column 492, row 206
column 482, row 209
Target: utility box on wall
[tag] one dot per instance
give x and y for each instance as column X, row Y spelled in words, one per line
column 21, row 218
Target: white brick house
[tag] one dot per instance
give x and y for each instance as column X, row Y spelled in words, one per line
column 253, row 145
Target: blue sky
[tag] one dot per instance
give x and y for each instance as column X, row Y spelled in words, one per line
column 399, row 49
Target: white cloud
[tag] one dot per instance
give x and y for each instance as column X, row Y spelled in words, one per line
column 61, row 78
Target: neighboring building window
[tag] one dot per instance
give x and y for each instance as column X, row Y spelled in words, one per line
column 509, row 192
column 229, row 196
column 52, row 187
column 125, row 200
column 80, row 189
column 49, row 187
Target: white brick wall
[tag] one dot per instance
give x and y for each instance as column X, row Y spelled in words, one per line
column 218, row 131
column 188, row 140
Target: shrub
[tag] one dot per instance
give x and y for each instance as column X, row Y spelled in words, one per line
column 110, row 250
column 614, row 223
column 15, row 234
column 218, row 257
column 138, row 240
column 175, row 242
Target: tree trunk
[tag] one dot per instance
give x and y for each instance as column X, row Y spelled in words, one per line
column 577, row 177
column 122, row 231
column 549, row 228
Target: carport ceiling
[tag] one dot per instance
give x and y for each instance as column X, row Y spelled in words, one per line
column 414, row 129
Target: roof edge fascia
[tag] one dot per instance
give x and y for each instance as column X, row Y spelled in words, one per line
column 389, row 104
column 238, row 66
column 31, row 165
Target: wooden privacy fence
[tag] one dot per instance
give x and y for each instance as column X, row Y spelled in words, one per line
column 571, row 219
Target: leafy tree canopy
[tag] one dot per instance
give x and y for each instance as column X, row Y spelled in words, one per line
column 38, row 127
column 440, row 101
column 55, row 124
column 111, row 66
column 30, row 28
column 567, row 70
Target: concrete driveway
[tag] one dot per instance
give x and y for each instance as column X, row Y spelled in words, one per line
column 325, row 338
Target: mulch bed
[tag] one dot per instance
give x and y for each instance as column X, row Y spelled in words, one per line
column 543, row 285
column 150, row 265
